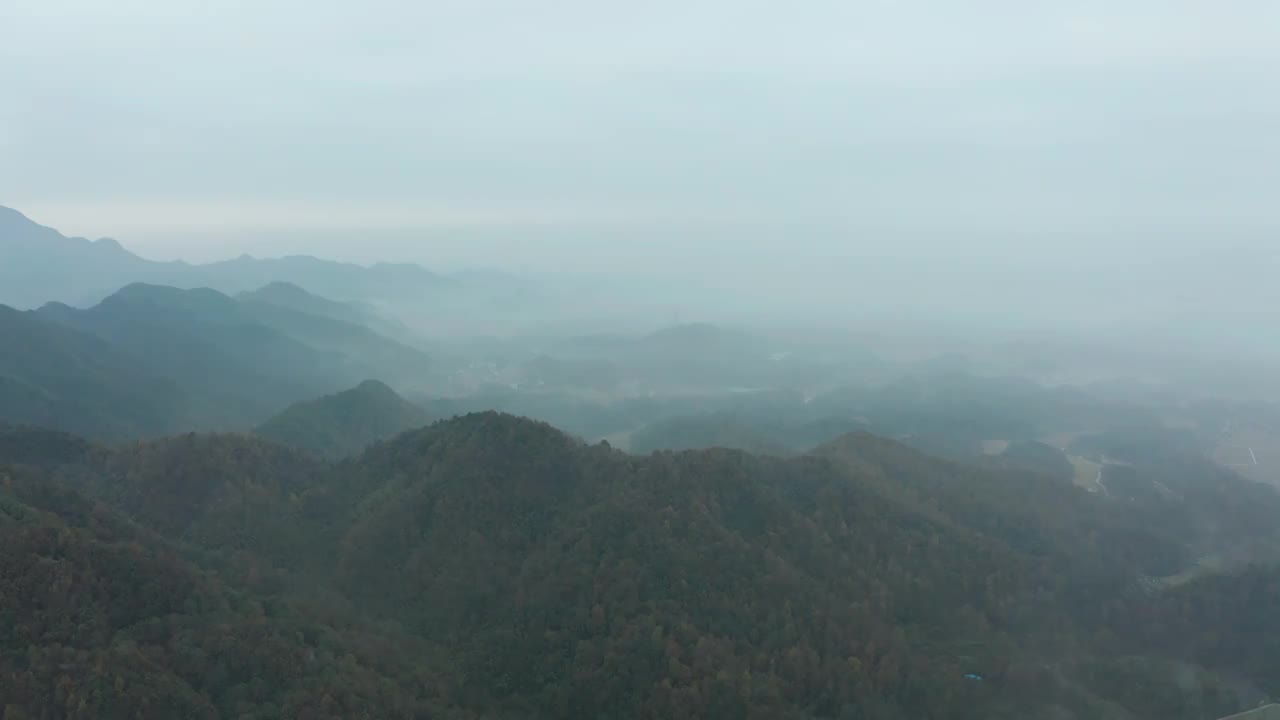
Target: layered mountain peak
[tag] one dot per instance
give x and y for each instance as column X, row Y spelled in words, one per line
column 280, row 290
column 13, row 221
column 21, row 233
column 152, row 293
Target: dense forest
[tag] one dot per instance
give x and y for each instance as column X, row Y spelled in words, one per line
column 492, row 566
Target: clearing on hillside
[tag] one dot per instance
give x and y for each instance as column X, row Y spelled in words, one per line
column 1088, row 473
column 1252, row 450
column 1235, row 456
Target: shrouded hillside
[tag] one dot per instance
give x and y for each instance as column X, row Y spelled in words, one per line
column 698, row 355
column 362, row 349
column 951, row 413
column 345, row 281
column 560, row 579
column 239, row 370
column 1032, row 512
column 289, row 295
column 697, row 338
column 690, row 432
column 550, row 372
column 58, row 376
column 293, row 297
column 345, row 423
column 1040, row 457
column 760, row 425
column 279, row 341
column 233, row 363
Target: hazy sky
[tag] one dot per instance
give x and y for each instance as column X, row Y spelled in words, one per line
column 483, row 132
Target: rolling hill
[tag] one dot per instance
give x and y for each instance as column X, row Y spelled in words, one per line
column 344, row 423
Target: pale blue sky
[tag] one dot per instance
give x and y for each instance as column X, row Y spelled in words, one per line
column 524, row 134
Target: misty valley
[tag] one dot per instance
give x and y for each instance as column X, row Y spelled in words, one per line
column 297, row 488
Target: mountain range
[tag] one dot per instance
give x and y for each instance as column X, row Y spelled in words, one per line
column 42, row 265
column 209, row 509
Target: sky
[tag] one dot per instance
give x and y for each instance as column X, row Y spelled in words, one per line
column 593, row 135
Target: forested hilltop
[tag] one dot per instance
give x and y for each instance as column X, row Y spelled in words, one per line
column 492, row 566
column 344, row 423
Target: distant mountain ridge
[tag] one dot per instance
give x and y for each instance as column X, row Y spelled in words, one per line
column 291, row 296
column 207, row 344
column 153, row 359
column 43, row 265
column 61, row 377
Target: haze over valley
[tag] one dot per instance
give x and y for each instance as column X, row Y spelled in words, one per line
column 871, row 361
column 1168, row 469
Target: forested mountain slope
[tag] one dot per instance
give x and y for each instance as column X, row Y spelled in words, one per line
column 526, row 574
column 59, row 376
column 199, row 340
column 102, row 619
